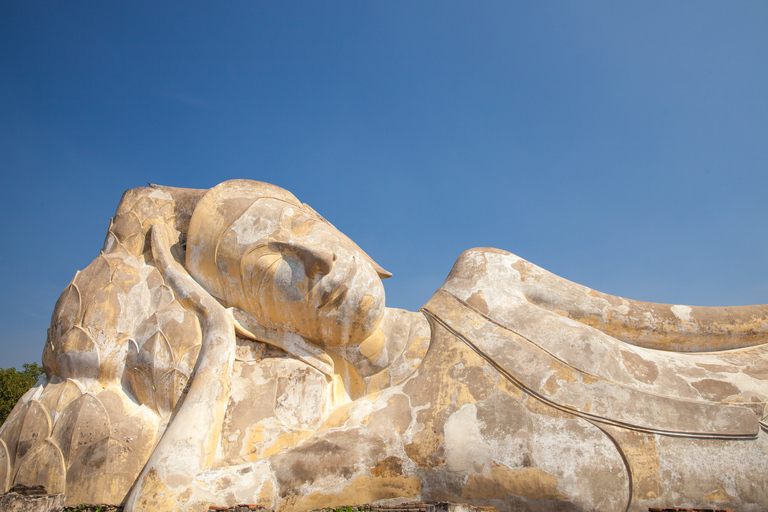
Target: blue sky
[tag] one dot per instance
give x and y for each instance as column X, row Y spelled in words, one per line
column 620, row 145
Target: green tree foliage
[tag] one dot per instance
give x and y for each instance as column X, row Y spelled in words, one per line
column 13, row 384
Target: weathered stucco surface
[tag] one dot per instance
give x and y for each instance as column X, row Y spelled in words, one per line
column 231, row 346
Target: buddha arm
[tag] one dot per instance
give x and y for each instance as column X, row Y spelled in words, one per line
column 189, row 444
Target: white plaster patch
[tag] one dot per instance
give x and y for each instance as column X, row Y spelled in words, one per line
column 682, row 312
column 173, row 312
column 289, row 272
column 254, row 225
column 160, row 194
column 132, row 308
column 465, row 448
column 195, row 255
column 301, row 404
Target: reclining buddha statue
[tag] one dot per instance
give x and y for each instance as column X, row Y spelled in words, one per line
column 231, row 346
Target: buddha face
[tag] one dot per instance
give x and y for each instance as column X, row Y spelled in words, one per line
column 287, row 267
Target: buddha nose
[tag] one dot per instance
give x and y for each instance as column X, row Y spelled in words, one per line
column 316, row 260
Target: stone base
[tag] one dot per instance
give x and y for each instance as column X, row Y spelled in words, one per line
column 424, row 506
column 417, row 506
column 673, row 509
column 420, row 506
column 14, row 502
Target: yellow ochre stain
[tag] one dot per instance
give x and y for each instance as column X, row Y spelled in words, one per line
column 718, row 495
column 287, row 440
column 364, row 489
column 500, row 482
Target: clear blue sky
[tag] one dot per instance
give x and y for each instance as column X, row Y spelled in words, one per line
column 621, row 145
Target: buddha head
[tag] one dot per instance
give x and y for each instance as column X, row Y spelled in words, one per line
column 257, row 248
